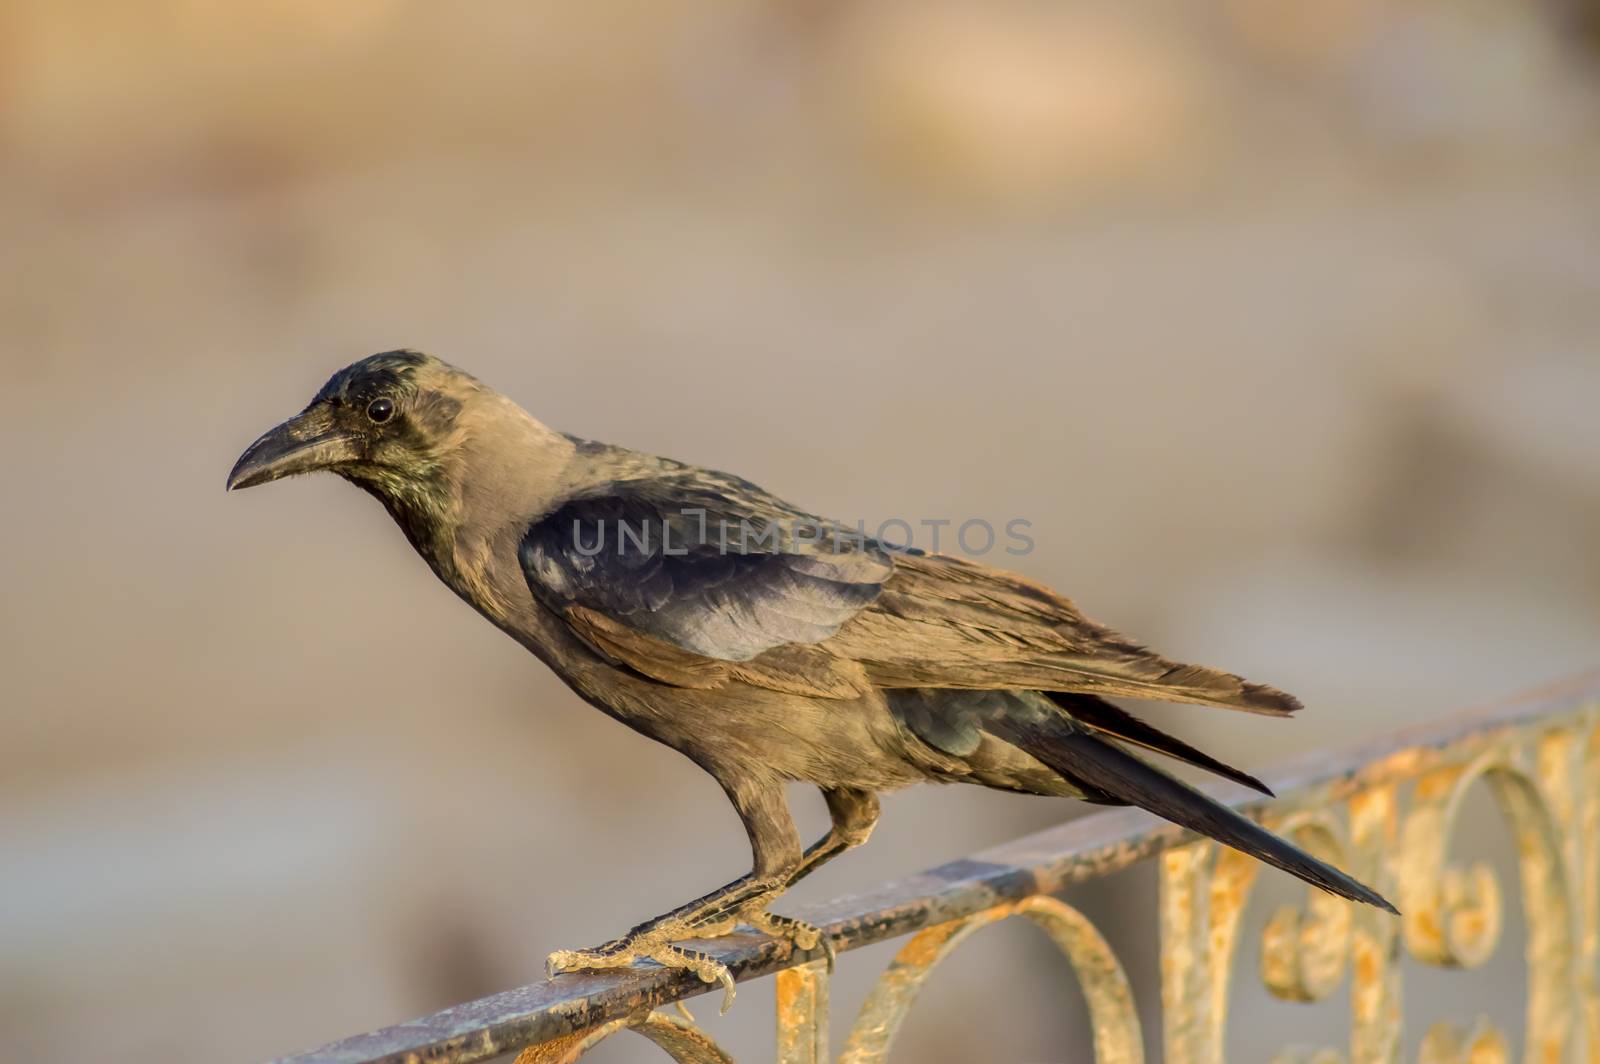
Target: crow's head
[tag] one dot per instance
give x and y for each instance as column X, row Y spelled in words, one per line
column 386, row 422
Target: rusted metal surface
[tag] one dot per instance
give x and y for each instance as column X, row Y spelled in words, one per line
column 1392, row 824
column 680, row 1040
column 1117, row 1038
column 1385, row 810
column 802, row 995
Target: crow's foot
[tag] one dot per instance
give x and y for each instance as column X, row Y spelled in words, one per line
column 713, row 916
column 802, row 934
column 656, row 944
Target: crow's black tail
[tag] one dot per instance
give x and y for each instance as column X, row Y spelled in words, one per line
column 1104, row 768
column 1107, row 717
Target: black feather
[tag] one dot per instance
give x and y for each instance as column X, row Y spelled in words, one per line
column 1105, row 768
column 1112, row 719
column 702, row 566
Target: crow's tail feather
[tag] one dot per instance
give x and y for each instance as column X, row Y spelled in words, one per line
column 1104, row 768
column 1113, row 720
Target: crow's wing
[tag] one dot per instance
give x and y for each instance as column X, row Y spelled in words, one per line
column 699, row 578
column 944, row 622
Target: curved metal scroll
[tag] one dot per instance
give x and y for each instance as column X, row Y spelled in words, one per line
column 682, row 1042
column 1453, row 915
column 1304, row 950
column 1117, row 1037
column 1445, row 1044
column 1545, row 779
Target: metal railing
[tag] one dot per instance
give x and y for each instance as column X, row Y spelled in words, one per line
column 1385, row 811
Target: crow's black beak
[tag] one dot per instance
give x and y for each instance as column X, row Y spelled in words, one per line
column 306, row 442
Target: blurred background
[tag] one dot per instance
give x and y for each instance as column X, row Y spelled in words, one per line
column 1278, row 321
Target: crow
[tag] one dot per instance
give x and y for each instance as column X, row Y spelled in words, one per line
column 763, row 643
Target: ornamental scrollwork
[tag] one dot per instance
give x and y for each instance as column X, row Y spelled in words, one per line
column 1403, row 814
column 679, row 1039
column 1117, row 1035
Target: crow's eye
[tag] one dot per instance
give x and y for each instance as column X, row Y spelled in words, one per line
column 380, row 410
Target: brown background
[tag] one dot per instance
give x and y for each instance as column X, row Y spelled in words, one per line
column 1277, row 321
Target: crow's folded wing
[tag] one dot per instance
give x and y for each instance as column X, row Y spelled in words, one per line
column 699, row 579
column 696, row 582
column 944, row 622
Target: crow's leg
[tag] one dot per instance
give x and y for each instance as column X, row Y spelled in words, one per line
column 775, row 845
column 854, row 814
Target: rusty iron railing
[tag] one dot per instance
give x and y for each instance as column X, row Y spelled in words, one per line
column 1385, row 811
